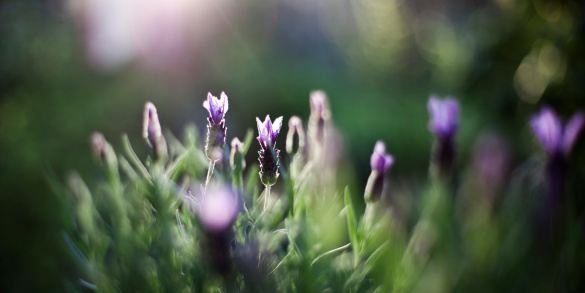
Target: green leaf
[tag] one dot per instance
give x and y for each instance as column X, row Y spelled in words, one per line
column 134, row 158
column 247, row 141
column 351, row 222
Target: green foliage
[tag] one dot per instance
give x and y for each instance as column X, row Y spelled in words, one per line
column 139, row 230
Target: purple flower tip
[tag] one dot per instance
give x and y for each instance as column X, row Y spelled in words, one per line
column 268, row 131
column 380, row 160
column 319, row 104
column 218, row 209
column 548, row 128
column 216, row 107
column 444, row 116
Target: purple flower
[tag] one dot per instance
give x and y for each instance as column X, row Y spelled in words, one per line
column 548, row 128
column 268, row 155
column 267, row 131
column 216, row 107
column 216, row 130
column 380, row 160
column 444, row 116
column 218, row 209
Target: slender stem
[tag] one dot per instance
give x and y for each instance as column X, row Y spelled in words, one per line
column 209, row 172
column 266, row 196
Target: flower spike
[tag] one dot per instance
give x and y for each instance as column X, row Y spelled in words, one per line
column 216, row 130
column 267, row 134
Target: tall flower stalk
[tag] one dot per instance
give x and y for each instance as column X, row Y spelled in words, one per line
column 216, row 130
column 268, row 155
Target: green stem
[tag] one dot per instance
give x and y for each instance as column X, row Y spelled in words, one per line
column 266, row 196
column 209, row 172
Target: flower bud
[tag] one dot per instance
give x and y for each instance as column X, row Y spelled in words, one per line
column 151, row 131
column 237, row 160
column 295, row 125
column 380, row 162
column 320, row 115
column 103, row 151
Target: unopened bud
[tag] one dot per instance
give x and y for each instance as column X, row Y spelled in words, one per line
column 295, row 125
column 320, row 115
column 237, row 160
column 151, row 131
column 103, row 151
column 380, row 162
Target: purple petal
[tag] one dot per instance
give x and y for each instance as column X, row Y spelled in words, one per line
column 389, row 161
column 206, row 103
column 276, row 126
column 224, row 103
column 261, row 132
column 548, row 129
column 572, row 130
column 268, row 127
column 380, row 160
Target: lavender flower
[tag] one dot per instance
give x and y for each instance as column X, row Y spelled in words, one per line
column 444, row 116
column 267, row 133
column 380, row 162
column 557, row 143
column 444, row 124
column 151, row 131
column 216, row 129
column 549, row 130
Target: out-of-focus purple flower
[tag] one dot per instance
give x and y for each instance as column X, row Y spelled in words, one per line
column 444, row 116
column 268, row 131
column 218, row 209
column 548, row 128
column 444, row 123
column 216, row 107
column 380, row 160
column 557, row 142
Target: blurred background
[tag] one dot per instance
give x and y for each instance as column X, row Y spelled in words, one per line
column 68, row 68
